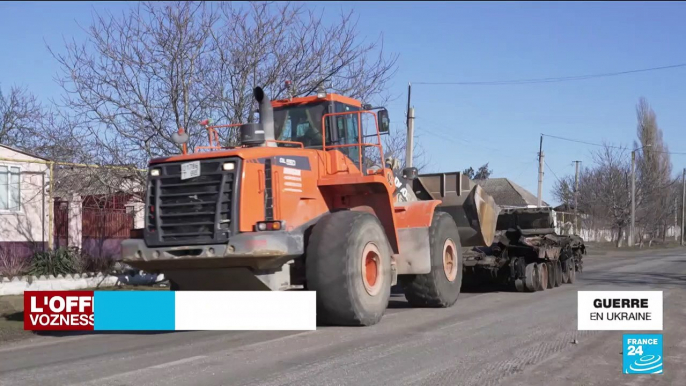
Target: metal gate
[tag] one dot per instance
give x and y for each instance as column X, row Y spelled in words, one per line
column 104, row 229
column 61, row 222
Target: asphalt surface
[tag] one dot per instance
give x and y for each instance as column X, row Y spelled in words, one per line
column 487, row 338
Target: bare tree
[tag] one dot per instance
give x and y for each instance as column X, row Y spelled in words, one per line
column 142, row 75
column 604, row 190
column 563, row 191
column 138, row 78
column 20, row 113
column 268, row 44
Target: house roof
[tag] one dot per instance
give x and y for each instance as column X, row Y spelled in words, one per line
column 95, row 181
column 14, row 149
column 506, row 193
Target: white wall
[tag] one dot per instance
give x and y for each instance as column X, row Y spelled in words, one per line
column 30, row 223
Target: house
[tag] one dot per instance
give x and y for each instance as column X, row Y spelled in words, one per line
column 92, row 208
column 95, row 208
column 24, row 202
column 508, row 194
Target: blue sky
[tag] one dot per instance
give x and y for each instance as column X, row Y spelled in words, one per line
column 461, row 126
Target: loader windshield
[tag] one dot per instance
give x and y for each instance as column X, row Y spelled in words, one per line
column 303, row 123
column 300, row 124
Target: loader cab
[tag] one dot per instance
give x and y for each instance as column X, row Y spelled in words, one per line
column 300, row 120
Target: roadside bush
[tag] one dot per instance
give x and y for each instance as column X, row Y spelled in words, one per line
column 58, row 262
column 11, row 263
column 68, row 261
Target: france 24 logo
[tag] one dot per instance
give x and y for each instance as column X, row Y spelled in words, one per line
column 642, row 354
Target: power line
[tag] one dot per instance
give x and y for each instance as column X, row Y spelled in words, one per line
column 529, row 163
column 584, row 142
column 553, row 79
column 551, row 170
column 437, row 135
column 610, row 146
column 439, row 126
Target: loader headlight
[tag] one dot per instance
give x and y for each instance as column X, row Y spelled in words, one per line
column 155, row 172
column 228, row 166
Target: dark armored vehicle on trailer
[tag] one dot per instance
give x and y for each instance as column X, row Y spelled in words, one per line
column 526, row 253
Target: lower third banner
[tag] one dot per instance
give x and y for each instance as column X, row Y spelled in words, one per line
column 169, row 310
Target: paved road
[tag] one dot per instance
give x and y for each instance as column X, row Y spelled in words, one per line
column 486, row 339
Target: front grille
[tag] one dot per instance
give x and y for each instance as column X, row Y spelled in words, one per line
column 200, row 210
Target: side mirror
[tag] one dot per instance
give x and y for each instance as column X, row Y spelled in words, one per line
column 384, row 121
column 410, row 173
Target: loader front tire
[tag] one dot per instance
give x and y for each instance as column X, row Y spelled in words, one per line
column 441, row 286
column 348, row 264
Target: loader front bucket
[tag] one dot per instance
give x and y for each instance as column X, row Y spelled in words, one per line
column 474, row 211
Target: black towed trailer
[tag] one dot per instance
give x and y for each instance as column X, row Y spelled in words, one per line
column 526, row 253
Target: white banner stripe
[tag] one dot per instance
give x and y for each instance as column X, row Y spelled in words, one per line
column 293, row 184
column 292, row 178
column 292, row 190
column 246, row 310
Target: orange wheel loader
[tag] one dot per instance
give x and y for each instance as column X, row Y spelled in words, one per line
column 298, row 205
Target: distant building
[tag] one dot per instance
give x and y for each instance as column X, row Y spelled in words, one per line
column 508, row 194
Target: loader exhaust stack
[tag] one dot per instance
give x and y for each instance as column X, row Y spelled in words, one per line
column 266, row 116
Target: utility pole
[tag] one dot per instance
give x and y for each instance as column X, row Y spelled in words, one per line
column 540, row 173
column 409, row 94
column 683, row 205
column 676, row 219
column 633, row 199
column 409, row 144
column 576, row 198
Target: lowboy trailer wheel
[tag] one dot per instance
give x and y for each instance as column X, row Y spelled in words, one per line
column 348, row 264
column 565, row 271
column 531, row 277
column 519, row 285
column 542, row 272
column 571, row 265
column 551, row 273
column 558, row 273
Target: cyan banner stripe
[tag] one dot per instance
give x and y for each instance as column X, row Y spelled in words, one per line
column 134, row 310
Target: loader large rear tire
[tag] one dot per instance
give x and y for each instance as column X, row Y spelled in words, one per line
column 348, row 264
column 440, row 287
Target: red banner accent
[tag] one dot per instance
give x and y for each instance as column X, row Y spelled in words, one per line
column 58, row 310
